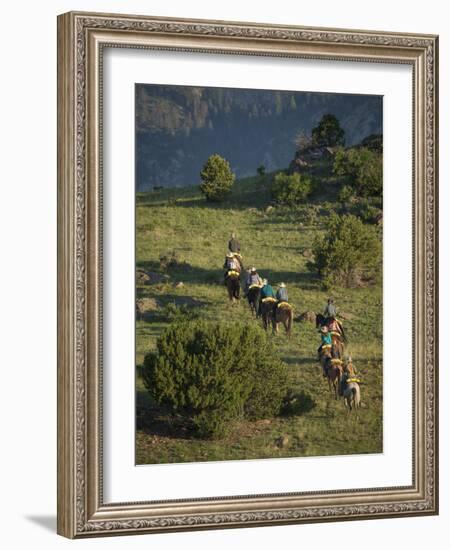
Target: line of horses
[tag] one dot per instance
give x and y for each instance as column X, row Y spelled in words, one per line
column 341, row 377
column 272, row 313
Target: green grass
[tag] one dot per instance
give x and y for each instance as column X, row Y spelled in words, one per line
column 274, row 241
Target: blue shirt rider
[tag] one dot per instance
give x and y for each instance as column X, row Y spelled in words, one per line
column 282, row 295
column 267, row 290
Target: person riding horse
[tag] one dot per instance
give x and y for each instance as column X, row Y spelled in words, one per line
column 234, row 247
column 330, row 311
column 334, row 326
column 326, row 343
column 231, row 265
column 253, row 280
column 253, row 286
column 267, row 295
column 282, row 294
column 349, row 386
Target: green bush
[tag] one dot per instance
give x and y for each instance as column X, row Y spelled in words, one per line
column 291, row 189
column 362, row 168
column 346, row 194
column 349, row 254
column 368, row 212
column 217, row 178
column 215, row 374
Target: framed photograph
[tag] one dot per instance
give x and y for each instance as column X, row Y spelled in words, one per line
column 247, row 284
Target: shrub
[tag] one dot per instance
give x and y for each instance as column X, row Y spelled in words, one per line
column 328, row 133
column 261, row 170
column 346, row 194
column 215, row 373
column 349, row 253
column 217, row 178
column 362, row 168
column 291, row 189
column 369, row 213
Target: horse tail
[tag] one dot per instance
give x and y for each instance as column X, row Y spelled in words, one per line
column 356, row 396
column 289, row 322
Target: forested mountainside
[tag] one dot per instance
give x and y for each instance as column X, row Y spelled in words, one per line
column 178, row 127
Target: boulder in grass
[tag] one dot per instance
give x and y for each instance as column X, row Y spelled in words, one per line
column 144, row 307
column 308, row 316
column 150, row 277
column 142, row 278
column 282, row 441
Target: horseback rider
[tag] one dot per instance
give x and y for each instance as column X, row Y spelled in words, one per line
column 253, row 279
column 282, row 295
column 326, row 341
column 267, row 290
column 348, row 376
column 326, row 338
column 267, row 294
column 231, row 264
column 330, row 311
column 234, row 245
column 334, row 326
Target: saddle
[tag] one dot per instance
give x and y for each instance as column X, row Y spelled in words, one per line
column 284, row 305
column 267, row 300
column 232, row 273
column 335, row 362
column 254, row 286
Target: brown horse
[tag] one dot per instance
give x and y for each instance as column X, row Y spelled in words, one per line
column 267, row 312
column 285, row 315
column 338, row 345
column 233, row 284
column 333, row 371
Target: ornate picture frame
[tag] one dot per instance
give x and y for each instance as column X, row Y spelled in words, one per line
column 82, row 37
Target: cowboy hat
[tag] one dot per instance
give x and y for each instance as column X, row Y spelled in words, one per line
column 323, row 329
column 282, row 285
column 229, row 255
column 253, row 269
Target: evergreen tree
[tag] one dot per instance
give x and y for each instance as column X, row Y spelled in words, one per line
column 328, row 133
column 217, row 178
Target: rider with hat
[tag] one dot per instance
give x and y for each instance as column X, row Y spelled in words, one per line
column 253, row 279
column 282, row 295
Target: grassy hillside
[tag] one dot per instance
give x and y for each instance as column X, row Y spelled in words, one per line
column 277, row 241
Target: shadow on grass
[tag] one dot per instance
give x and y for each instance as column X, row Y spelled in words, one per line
column 183, row 272
column 297, row 404
column 248, row 196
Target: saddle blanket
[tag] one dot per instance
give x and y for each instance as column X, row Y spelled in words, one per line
column 254, row 286
column 268, row 299
column 284, row 305
column 233, row 273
